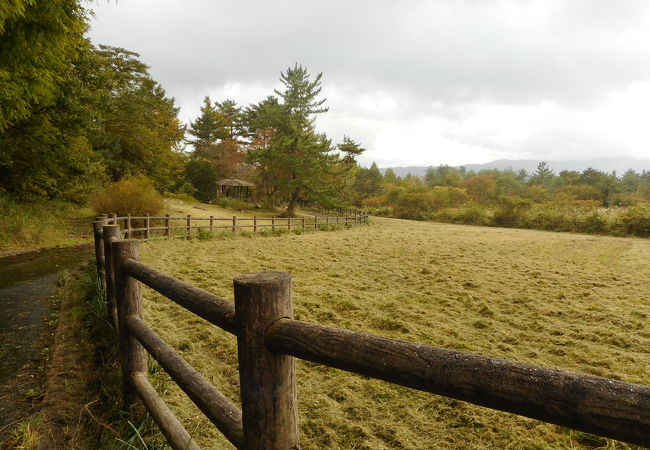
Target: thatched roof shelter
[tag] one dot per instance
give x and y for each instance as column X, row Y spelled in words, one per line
column 232, row 187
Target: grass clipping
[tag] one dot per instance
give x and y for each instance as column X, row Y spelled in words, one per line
column 571, row 302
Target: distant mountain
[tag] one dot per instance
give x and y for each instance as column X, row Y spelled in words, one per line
column 620, row 165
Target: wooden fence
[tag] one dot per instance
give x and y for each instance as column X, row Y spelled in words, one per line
column 269, row 339
column 147, row 226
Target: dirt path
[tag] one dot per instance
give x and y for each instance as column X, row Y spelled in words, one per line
column 27, row 287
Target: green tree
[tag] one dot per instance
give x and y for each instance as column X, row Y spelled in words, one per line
column 299, row 156
column 203, row 175
column 209, row 128
column 139, row 131
column 350, row 150
column 38, row 43
column 232, row 115
column 542, row 176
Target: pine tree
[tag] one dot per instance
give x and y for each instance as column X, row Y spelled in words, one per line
column 299, row 157
column 351, row 150
column 210, row 127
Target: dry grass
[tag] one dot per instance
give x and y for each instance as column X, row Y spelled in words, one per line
column 574, row 302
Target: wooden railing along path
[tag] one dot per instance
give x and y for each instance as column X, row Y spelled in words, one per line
column 269, row 339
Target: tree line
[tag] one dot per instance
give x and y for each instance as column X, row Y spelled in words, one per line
column 75, row 116
column 587, row 201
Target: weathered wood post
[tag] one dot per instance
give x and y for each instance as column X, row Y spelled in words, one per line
column 128, row 298
column 98, row 223
column 128, row 226
column 267, row 380
column 234, row 224
column 254, row 224
column 189, row 226
column 211, row 223
column 111, row 234
column 316, row 223
column 168, row 224
column 327, row 221
column 147, row 223
column 303, row 223
column 289, row 224
column 272, row 223
column 112, row 219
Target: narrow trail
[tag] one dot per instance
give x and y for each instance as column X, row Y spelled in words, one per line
column 27, row 284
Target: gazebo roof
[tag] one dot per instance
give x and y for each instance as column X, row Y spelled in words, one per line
column 234, row 182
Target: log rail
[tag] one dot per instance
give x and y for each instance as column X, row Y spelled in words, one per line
column 269, row 339
column 145, row 227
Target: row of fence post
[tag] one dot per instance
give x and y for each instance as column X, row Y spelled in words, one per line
column 268, row 381
column 234, row 226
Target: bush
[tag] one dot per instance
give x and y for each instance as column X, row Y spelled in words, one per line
column 550, row 217
column 510, row 211
column 473, row 215
column 204, row 235
column 636, row 221
column 233, row 203
column 134, row 195
column 595, row 223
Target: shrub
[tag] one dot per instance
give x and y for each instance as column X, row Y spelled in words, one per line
column 135, row 195
column 581, row 192
column 375, row 202
column 233, row 203
column 550, row 217
column 595, row 223
column 473, row 215
column 510, row 211
column 203, row 234
column 636, row 220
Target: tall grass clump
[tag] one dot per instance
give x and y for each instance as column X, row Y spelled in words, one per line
column 135, row 195
column 33, row 224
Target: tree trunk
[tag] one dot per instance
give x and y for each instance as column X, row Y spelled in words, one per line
column 293, row 204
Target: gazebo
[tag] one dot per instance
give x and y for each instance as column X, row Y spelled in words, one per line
column 232, row 187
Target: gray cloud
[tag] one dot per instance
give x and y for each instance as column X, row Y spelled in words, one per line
column 434, row 58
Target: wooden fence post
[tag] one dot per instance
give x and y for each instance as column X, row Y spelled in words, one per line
column 99, row 245
column 303, row 223
column 254, row 224
column 128, row 297
column 112, row 219
column 189, row 226
column 316, row 223
column 147, row 222
column 111, row 233
column 272, row 223
column 168, row 224
column 128, row 226
column 234, row 224
column 211, row 223
column 267, row 380
column 289, row 224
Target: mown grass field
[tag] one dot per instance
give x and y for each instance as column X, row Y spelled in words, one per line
column 567, row 301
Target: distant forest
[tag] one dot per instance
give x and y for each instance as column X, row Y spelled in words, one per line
column 75, row 117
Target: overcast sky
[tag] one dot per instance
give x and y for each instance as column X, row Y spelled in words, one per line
column 416, row 82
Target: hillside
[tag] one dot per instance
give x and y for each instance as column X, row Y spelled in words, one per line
column 566, row 301
column 620, row 165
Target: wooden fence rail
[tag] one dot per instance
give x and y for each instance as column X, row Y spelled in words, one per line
column 268, row 339
column 152, row 225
